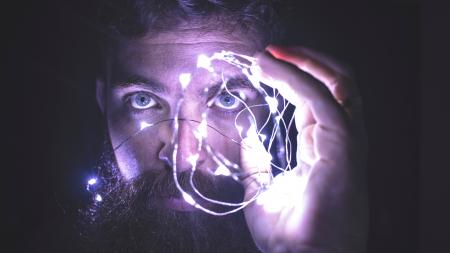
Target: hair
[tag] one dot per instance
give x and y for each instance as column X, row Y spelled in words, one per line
column 121, row 20
column 128, row 219
column 136, row 18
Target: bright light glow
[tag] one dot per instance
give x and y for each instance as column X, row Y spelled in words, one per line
column 204, row 62
column 222, row 171
column 284, row 192
column 188, row 198
column 192, row 159
column 263, row 137
column 92, row 181
column 242, row 95
column 185, row 79
column 256, row 154
column 144, row 125
column 264, row 179
column 277, row 118
column 256, row 70
column 251, row 132
column 254, row 79
column 239, row 128
column 202, row 130
column 98, row 198
column 273, row 104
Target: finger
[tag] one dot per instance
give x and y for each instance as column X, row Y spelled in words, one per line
column 306, row 153
column 255, row 163
column 298, row 86
column 324, row 59
column 303, row 116
column 322, row 67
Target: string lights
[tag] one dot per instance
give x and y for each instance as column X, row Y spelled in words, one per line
column 270, row 133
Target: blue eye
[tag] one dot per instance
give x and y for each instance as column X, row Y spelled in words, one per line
column 227, row 101
column 142, row 100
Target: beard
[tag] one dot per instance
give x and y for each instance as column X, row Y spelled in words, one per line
column 130, row 218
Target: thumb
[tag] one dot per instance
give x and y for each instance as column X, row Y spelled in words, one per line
column 255, row 163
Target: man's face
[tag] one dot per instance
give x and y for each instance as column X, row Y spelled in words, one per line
column 145, row 86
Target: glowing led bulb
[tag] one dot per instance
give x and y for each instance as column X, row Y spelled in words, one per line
column 192, row 159
column 239, row 128
column 185, row 79
column 202, row 131
column 188, row 198
column 222, row 171
column 251, row 132
column 242, row 95
column 92, row 181
column 263, row 137
column 204, row 61
column 273, row 104
column 277, row 118
column 144, row 125
column 283, row 192
column 253, row 78
column 98, row 198
column 91, row 184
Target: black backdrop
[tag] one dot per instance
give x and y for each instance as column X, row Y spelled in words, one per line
column 55, row 130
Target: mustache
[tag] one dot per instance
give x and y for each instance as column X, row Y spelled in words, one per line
column 154, row 185
column 162, row 183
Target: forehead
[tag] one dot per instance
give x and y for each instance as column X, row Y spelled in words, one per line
column 168, row 54
column 184, row 44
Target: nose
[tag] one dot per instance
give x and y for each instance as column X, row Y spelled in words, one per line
column 185, row 145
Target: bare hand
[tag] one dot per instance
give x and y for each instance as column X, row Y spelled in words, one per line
column 327, row 211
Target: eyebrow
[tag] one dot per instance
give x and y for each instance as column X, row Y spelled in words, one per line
column 134, row 79
column 232, row 83
column 239, row 82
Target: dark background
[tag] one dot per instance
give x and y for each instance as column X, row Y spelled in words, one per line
column 55, row 130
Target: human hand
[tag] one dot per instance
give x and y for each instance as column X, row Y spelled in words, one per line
column 327, row 207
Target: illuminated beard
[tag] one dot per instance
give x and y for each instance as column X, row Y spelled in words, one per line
column 131, row 219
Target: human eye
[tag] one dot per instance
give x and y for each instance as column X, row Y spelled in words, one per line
column 141, row 100
column 227, row 102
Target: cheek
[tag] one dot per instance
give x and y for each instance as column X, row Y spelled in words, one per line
column 120, row 130
column 139, row 153
column 127, row 162
column 224, row 146
column 225, row 138
column 124, row 124
column 120, row 123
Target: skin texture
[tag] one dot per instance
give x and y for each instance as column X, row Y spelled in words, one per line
column 329, row 214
